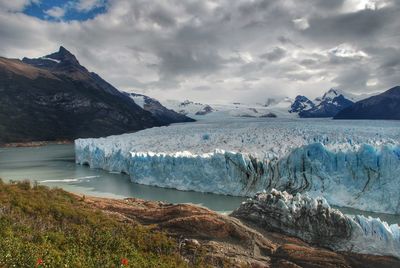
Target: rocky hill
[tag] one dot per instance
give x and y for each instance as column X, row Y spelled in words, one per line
column 55, row 98
column 328, row 105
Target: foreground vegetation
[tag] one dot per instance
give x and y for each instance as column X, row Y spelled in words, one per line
column 42, row 227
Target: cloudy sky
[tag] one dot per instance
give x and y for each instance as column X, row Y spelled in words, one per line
column 216, row 50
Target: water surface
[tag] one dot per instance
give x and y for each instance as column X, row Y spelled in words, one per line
column 54, row 166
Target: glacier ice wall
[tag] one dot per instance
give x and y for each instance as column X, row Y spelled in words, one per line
column 365, row 178
column 314, row 221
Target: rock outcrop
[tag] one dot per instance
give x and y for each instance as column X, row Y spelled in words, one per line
column 225, row 241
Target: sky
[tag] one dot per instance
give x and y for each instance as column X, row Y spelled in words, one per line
column 216, row 50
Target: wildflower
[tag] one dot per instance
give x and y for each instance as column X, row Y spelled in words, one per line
column 39, row 262
column 124, row 262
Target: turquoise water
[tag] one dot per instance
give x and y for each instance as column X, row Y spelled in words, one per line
column 54, row 166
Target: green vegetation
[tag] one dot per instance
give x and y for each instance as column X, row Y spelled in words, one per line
column 38, row 224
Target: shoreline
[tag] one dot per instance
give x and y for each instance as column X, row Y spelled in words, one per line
column 226, row 237
column 34, row 143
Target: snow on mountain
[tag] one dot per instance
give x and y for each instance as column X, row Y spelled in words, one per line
column 50, row 59
column 159, row 111
column 332, row 102
column 138, row 99
column 272, row 108
column 314, row 221
column 355, row 165
column 301, row 103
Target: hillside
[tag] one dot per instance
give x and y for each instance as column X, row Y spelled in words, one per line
column 41, row 227
column 385, row 106
column 59, row 229
column 56, row 98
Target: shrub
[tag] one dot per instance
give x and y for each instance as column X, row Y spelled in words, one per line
column 45, row 227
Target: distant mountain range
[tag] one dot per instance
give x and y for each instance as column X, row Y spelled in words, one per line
column 331, row 102
column 383, row 106
column 328, row 105
column 54, row 97
column 334, row 103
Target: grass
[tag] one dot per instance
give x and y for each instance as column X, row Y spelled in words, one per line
column 53, row 227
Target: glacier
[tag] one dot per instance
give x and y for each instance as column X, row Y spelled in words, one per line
column 354, row 166
column 314, row 221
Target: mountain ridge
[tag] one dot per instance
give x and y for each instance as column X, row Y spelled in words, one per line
column 383, row 106
column 331, row 102
column 55, row 98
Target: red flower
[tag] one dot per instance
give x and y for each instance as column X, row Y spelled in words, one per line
column 124, row 261
column 39, row 262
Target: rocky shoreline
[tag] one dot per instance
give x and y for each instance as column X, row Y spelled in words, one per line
column 235, row 240
column 34, row 143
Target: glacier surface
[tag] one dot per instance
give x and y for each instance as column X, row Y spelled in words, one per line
column 313, row 220
column 347, row 162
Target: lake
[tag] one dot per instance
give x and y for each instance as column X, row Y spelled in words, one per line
column 54, row 166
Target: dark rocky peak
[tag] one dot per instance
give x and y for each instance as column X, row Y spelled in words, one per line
column 331, row 92
column 63, row 55
column 301, row 103
column 62, row 60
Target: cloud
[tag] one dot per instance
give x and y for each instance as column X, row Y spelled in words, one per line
column 347, row 51
column 219, row 50
column 301, row 23
column 87, row 5
column 275, row 54
column 16, row 5
column 55, row 12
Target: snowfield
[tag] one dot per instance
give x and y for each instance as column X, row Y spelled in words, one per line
column 276, row 107
column 350, row 163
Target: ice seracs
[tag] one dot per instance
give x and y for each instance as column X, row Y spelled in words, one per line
column 314, row 221
column 355, row 166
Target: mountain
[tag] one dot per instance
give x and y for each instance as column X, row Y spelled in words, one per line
column 328, row 105
column 385, row 106
column 301, row 103
column 272, row 107
column 160, row 112
column 188, row 107
column 54, row 97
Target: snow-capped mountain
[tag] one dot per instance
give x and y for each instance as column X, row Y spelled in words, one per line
column 328, row 105
column 332, row 102
column 188, row 107
column 159, row 111
column 277, row 107
column 301, row 103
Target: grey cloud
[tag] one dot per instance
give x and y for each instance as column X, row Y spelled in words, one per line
column 177, row 63
column 239, row 49
column 351, row 26
column 275, row 54
column 162, row 17
column 330, row 4
column 354, row 79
